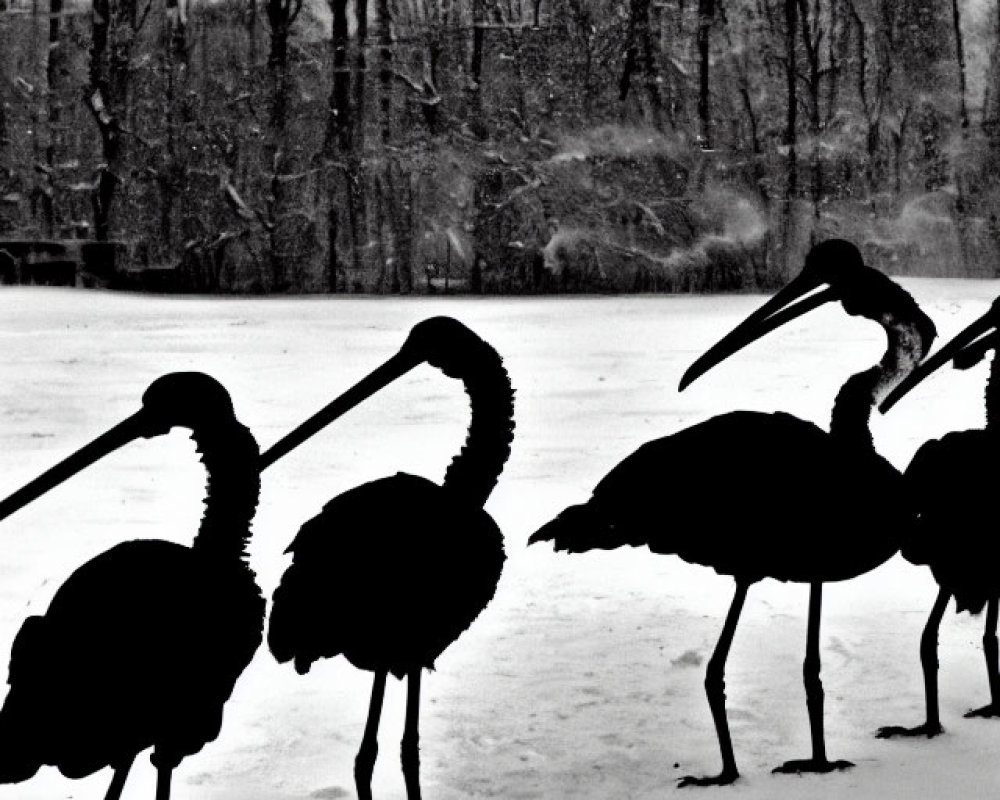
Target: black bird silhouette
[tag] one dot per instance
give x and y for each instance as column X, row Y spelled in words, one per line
column 391, row 572
column 954, row 496
column 769, row 495
column 142, row 645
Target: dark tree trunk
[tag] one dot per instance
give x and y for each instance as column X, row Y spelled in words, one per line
column 991, row 96
column 431, row 100
column 520, row 81
column 176, row 30
column 873, row 72
column 640, row 52
column 960, row 60
column 277, row 66
column 338, row 140
column 836, row 42
column 357, row 208
column 361, row 67
column 338, row 128
column 631, row 59
column 175, row 61
column 106, row 96
column 478, row 34
column 114, row 27
column 791, row 26
column 251, row 36
column 385, row 69
column 706, row 14
column 35, row 116
column 281, row 15
column 166, row 174
column 792, row 169
column 396, row 192
column 331, row 236
column 54, row 70
column 743, row 85
column 898, row 138
column 811, row 36
column 991, row 128
column 357, row 205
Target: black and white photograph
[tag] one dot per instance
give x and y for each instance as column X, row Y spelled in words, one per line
column 511, row 399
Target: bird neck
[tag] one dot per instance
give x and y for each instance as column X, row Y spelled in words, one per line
column 230, row 455
column 852, row 409
column 476, row 468
column 993, row 394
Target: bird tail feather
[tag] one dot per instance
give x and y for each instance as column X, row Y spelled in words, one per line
column 21, row 718
column 18, row 760
column 293, row 633
column 579, row 528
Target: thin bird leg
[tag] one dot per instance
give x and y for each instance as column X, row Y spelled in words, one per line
column 118, row 779
column 364, row 763
column 410, row 750
column 929, row 661
column 990, row 651
column 715, row 688
column 163, row 775
column 814, row 696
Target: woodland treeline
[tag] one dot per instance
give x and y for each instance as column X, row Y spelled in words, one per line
column 502, row 145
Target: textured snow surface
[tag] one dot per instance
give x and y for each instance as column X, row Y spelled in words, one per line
column 583, row 679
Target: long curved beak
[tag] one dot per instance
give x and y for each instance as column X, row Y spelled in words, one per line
column 121, row 434
column 773, row 314
column 969, row 344
column 394, row 368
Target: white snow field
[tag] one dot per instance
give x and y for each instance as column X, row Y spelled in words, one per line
column 583, row 679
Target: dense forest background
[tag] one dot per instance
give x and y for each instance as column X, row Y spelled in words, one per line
column 502, row 145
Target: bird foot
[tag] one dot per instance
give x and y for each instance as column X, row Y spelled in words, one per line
column 802, row 765
column 928, row 729
column 724, row 778
column 987, row 711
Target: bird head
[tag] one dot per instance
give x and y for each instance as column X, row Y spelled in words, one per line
column 189, row 399
column 965, row 350
column 443, row 342
column 833, row 270
column 186, row 399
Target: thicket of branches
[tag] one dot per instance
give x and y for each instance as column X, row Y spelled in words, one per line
column 502, row 145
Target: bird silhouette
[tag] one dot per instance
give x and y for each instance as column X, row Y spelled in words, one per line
column 391, row 572
column 769, row 495
column 142, row 645
column 953, row 491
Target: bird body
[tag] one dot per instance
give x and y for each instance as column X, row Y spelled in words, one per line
column 142, row 645
column 390, row 573
column 952, row 487
column 769, row 495
column 956, row 497
column 177, row 646
column 387, row 584
column 813, row 535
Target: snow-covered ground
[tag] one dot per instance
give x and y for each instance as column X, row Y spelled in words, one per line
column 583, row 679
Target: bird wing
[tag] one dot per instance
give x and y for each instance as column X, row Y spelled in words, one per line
column 141, row 645
column 389, row 573
column 953, row 494
column 750, row 494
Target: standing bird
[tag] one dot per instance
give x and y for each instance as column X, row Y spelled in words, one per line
column 142, row 645
column 954, row 496
column 391, row 572
column 834, row 509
